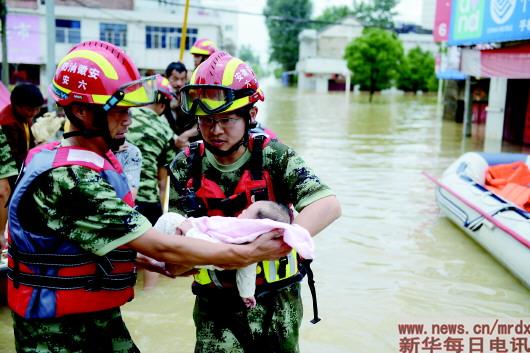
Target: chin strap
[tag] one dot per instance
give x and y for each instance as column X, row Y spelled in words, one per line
column 84, row 133
column 101, row 125
column 116, row 143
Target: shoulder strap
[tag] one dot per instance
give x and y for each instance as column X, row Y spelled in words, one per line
column 256, row 158
column 194, row 166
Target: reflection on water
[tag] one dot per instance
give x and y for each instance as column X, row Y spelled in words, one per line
column 390, row 258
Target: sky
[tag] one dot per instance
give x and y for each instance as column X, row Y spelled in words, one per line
column 253, row 32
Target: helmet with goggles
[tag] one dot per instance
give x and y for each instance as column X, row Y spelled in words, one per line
column 97, row 72
column 204, row 47
column 221, row 84
column 164, row 89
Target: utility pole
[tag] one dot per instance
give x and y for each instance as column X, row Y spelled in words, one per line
column 165, row 199
column 184, row 33
column 5, row 63
column 50, row 50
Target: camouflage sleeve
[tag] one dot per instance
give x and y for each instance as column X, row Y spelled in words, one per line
column 170, row 151
column 297, row 179
column 8, row 166
column 76, row 203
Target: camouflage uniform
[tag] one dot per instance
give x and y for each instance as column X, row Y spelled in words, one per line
column 76, row 203
column 153, row 136
column 222, row 323
column 8, row 167
column 102, row 332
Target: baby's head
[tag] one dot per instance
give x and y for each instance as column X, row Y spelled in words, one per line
column 172, row 223
column 267, row 209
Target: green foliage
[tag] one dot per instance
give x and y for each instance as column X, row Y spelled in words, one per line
column 277, row 72
column 377, row 13
column 374, row 59
column 332, row 14
column 246, row 53
column 417, row 72
column 285, row 19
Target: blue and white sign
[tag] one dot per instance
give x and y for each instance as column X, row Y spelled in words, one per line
column 486, row 21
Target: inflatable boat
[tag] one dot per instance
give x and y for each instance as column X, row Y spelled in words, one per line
column 484, row 212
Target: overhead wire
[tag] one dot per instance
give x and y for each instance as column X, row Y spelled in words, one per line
column 288, row 19
column 249, row 13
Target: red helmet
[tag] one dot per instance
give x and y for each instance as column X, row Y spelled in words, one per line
column 164, row 88
column 95, row 71
column 220, row 84
column 203, row 46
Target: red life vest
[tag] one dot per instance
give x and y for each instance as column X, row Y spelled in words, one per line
column 52, row 277
column 202, row 196
column 254, row 184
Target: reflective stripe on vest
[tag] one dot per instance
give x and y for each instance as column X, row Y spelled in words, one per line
column 65, row 279
column 278, row 270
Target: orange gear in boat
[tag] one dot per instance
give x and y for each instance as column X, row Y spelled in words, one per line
column 510, row 181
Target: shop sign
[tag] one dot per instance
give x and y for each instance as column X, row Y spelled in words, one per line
column 486, row 21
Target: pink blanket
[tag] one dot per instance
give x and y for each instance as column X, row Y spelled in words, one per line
column 241, row 230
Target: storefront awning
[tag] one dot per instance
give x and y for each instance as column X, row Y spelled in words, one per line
column 511, row 62
column 451, row 74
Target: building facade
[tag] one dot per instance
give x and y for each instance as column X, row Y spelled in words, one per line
column 494, row 37
column 321, row 65
column 149, row 31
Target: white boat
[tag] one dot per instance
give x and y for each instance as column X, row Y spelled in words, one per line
column 498, row 225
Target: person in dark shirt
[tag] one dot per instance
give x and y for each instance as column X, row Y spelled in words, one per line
column 15, row 127
column 183, row 125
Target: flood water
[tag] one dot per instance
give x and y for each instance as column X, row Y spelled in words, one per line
column 390, row 259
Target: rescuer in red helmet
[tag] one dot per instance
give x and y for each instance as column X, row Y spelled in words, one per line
column 223, row 175
column 73, row 231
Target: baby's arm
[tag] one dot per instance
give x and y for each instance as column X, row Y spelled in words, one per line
column 246, row 284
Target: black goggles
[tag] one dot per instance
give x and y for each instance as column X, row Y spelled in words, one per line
column 211, row 99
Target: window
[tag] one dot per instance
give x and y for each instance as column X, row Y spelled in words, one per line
column 67, row 31
column 168, row 37
column 114, row 33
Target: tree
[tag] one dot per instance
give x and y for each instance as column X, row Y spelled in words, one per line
column 374, row 59
column 285, row 19
column 331, row 15
column 246, row 53
column 417, row 71
column 377, row 13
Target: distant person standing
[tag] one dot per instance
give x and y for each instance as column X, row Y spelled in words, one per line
column 151, row 133
column 183, row 125
column 201, row 50
column 8, row 169
column 16, row 119
column 16, row 138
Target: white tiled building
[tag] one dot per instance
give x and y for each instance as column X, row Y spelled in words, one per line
column 149, row 31
column 321, row 54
